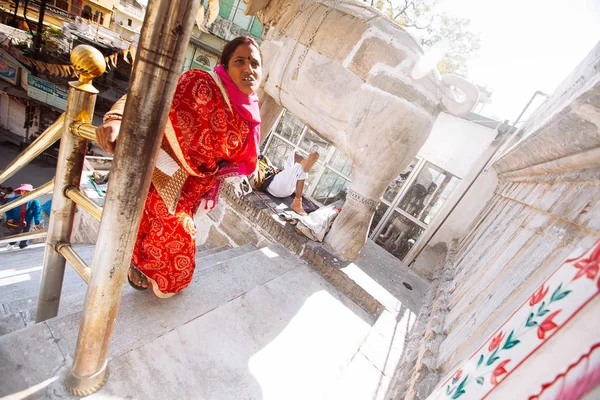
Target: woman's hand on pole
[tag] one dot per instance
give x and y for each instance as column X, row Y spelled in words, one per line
column 107, row 135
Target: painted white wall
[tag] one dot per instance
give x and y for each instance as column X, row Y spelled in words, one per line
column 193, row 56
column 469, row 208
column 455, row 144
column 122, row 15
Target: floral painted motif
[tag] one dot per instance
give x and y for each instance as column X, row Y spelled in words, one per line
column 496, row 341
column 548, row 309
column 538, row 296
column 547, row 325
column 499, row 371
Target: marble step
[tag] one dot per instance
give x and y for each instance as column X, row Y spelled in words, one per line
column 20, row 276
column 45, row 349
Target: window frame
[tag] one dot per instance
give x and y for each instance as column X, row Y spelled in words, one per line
column 296, row 146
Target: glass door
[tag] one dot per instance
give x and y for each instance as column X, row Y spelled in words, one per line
column 409, row 204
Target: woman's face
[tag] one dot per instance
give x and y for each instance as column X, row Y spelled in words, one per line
column 245, row 69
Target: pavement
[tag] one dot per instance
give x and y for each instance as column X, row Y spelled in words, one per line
column 37, row 172
column 253, row 324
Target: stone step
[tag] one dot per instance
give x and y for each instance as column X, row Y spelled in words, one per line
column 21, row 272
column 289, row 338
column 205, row 261
column 20, row 276
column 44, row 348
column 202, row 251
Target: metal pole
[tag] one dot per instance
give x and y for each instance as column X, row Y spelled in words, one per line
column 84, row 130
column 81, row 199
column 23, row 236
column 82, row 98
column 164, row 39
column 13, row 23
column 516, row 133
column 76, row 261
column 40, row 29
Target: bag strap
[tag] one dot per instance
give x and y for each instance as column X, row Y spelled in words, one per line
column 23, row 212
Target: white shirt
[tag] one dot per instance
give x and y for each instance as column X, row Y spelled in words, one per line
column 284, row 183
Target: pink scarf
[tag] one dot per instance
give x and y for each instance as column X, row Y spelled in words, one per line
column 247, row 106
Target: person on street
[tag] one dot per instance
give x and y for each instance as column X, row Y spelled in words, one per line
column 22, row 219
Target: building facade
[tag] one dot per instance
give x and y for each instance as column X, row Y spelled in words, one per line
column 128, row 17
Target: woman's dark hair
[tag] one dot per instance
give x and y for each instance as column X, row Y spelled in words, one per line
column 230, row 47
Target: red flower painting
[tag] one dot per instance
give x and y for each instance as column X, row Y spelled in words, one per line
column 547, row 325
column 496, row 341
column 590, row 266
column 499, row 371
column 458, row 374
column 538, row 296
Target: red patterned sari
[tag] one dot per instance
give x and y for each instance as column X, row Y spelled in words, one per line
column 209, row 139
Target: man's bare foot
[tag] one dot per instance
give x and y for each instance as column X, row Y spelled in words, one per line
column 296, row 206
column 309, row 161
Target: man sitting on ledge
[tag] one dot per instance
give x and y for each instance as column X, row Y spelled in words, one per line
column 291, row 179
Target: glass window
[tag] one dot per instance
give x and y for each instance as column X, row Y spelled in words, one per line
column 311, row 181
column 239, row 18
column 311, row 139
column 341, row 163
column 62, row 4
column 379, row 213
column 76, row 7
column 331, row 188
column 290, row 127
column 278, row 152
column 256, row 29
column 225, row 8
column 87, row 12
column 399, row 235
column 439, row 197
column 394, row 187
column 428, row 193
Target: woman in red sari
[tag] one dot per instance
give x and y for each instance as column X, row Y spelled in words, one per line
column 212, row 133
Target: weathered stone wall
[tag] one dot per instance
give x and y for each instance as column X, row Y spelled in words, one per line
column 546, row 206
column 527, row 231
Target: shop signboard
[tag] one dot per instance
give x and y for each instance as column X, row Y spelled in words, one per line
column 47, row 92
column 9, row 71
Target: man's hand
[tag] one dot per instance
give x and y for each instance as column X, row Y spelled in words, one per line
column 107, row 134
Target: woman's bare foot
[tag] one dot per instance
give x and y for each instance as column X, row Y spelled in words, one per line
column 136, row 279
column 296, row 206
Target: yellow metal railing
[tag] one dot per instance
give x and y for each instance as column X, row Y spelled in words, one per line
column 161, row 49
column 34, row 194
column 42, row 143
column 84, row 130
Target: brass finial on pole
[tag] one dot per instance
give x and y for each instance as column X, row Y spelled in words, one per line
column 89, row 64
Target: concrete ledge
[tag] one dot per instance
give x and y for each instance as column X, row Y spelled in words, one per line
column 566, row 125
column 319, row 257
